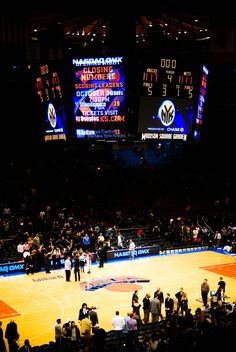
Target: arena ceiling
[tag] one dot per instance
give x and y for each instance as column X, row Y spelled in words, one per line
column 91, row 29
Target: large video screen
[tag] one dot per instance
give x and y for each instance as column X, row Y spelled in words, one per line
column 99, row 98
column 51, row 102
column 161, row 118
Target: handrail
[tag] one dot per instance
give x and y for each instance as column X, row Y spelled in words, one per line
column 206, row 225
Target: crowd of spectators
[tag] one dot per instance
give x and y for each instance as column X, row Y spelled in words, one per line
column 64, row 194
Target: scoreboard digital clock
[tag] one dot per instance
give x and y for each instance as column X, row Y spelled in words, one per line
column 166, row 79
column 166, row 107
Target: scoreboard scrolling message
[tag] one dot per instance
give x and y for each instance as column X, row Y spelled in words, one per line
column 99, row 98
column 166, row 103
column 49, row 91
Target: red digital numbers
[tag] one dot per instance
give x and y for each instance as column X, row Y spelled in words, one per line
column 48, row 85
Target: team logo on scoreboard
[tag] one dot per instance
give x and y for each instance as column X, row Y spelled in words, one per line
column 52, row 116
column 166, row 112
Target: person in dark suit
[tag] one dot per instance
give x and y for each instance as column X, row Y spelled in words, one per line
column 47, row 264
column 134, row 298
column 146, row 308
column 178, row 295
column 75, row 335
column 11, row 334
column 2, row 342
column 205, row 289
column 94, row 318
column 102, row 253
column 83, row 312
column 221, row 284
column 27, row 347
column 77, row 267
column 169, row 306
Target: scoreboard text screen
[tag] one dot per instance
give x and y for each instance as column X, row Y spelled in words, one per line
column 99, row 98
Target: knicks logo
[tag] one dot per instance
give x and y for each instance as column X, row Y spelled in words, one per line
column 98, row 283
column 166, row 112
column 52, row 115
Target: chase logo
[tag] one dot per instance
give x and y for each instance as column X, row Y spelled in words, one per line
column 95, row 284
column 166, row 112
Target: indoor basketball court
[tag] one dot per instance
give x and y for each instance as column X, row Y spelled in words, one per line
column 35, row 301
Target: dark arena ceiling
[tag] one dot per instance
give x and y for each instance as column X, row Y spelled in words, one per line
column 196, row 28
column 95, row 30
column 173, row 26
column 65, row 27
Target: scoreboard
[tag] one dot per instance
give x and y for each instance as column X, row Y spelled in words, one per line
column 201, row 102
column 51, row 102
column 99, row 98
column 166, row 106
column 166, row 79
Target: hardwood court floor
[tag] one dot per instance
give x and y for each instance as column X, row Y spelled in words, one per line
column 34, row 302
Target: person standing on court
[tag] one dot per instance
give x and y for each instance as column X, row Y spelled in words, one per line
column 75, row 335
column 178, row 295
column 12, row 335
column 205, row 289
column 134, row 297
column 221, row 284
column 93, row 316
column 184, row 303
column 58, row 335
column 169, row 306
column 220, row 293
column 131, row 249
column 159, row 294
column 83, row 312
column 77, row 267
column 2, row 342
column 47, row 261
column 155, row 308
column 68, row 267
column 102, row 253
column 135, row 303
column 146, row 308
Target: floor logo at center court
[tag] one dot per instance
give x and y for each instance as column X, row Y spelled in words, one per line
column 96, row 283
